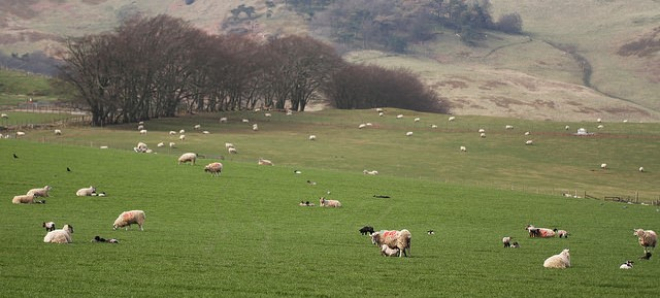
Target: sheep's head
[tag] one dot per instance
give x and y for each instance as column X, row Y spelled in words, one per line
column 375, row 238
column 638, row 232
column 565, row 253
column 68, row 228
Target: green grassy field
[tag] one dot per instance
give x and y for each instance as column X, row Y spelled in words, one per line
column 243, row 235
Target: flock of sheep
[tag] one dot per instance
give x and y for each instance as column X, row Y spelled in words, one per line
column 63, row 235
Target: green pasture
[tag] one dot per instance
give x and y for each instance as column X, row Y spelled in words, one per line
column 243, row 234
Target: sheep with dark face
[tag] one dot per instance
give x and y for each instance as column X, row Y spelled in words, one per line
column 50, row 226
column 367, row 230
column 539, row 232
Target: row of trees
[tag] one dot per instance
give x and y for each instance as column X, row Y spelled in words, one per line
column 149, row 67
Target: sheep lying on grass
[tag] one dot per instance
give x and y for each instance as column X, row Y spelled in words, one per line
column 60, row 236
column 127, row 218
column 367, row 230
column 188, row 157
column 23, row 199
column 100, row 239
column 647, row 239
column 214, row 168
column 265, row 162
column 84, row 192
column 40, row 192
column 627, row 265
column 393, row 239
column 561, row 233
column 305, row 204
column 539, row 232
column 50, row 226
column 329, row 203
column 561, row 260
column 372, row 172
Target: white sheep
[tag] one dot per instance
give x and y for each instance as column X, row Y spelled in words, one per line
column 50, row 226
column 265, row 162
column 103, row 147
column 463, row 149
column 369, row 124
column 223, row 120
column 4, row 116
column 141, row 147
column 245, row 120
column 627, row 265
column 127, row 218
column 389, row 252
column 172, row 144
column 506, row 241
column 393, row 239
column 603, row 166
column 481, row 130
column 140, row 127
column 87, row 191
column 561, row 260
column 160, row 145
column 188, row 157
column 410, row 133
column 539, row 232
column 232, row 150
column 434, row 126
column 362, row 125
column 508, row 127
column 529, row 142
column 372, row 172
column 255, row 127
column 641, row 169
column 267, row 115
column 561, row 233
column 23, row 199
column 451, row 118
column 143, row 132
column 58, row 132
column 214, row 168
column 228, row 145
column 323, row 202
column 381, row 114
column 399, row 116
column 312, row 137
column 483, row 134
column 567, row 127
column 182, row 137
column 647, row 239
column 527, row 133
column 182, row 131
column 599, row 120
column 197, row 126
column 206, row 132
column 40, row 192
column 600, row 126
column 20, row 133
column 60, row 236
column 289, row 112
column 172, row 132
column 379, row 110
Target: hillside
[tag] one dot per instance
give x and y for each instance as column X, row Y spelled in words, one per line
column 580, row 60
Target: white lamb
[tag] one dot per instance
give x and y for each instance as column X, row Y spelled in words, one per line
column 410, row 133
column 85, row 192
column 232, row 150
column 561, row 260
column 388, row 251
column 172, row 132
column 223, row 120
column 60, row 236
column 451, row 118
column 58, row 132
column 255, row 127
column 143, row 132
column 399, row 116
column 228, row 145
column 483, row 134
column 188, row 157
column 647, row 239
column 641, row 169
column 372, row 172
column 508, row 127
column 197, row 127
column 172, row 144
column 417, row 119
column 160, row 145
column 463, row 149
column 312, row 137
column 362, row 125
column 127, row 218
column 40, row 192
column 182, row 137
column 529, row 142
column 265, row 162
column 20, row 133
column 141, row 147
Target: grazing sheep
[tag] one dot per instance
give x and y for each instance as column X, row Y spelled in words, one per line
column 361, row 126
column 389, row 252
column 60, row 236
column 599, row 120
column 483, row 134
column 172, row 144
column 529, row 142
column 58, row 132
column 143, row 132
column 255, row 127
column 197, row 127
column 84, row 192
column 561, row 233
column 141, row 147
column 20, row 133
column 380, row 114
column 627, row 265
column 561, row 260
column 451, row 118
column 647, row 239
column 127, row 218
column 539, row 232
column 206, row 132
column 4, row 116
column 223, row 120
column 603, row 166
column 527, row 133
column 265, row 162
column 228, row 145
column 312, row 137
column 23, row 199
column 641, row 169
column 104, row 147
column 172, row 132
column 140, row 127
column 289, row 112
column 188, row 157
column 267, row 115
column 481, row 130
column 366, row 230
column 399, row 116
column 567, row 127
column 245, row 121
column 506, row 241
column 434, row 126
column 50, row 226
column 214, row 168
column 393, row 239
column 323, row 202
column 463, row 149
column 160, row 145
column 40, row 192
column 369, row 124
column 182, row 131
column 232, row 150
column 410, row 133
column 417, row 119
column 600, row 126
column 508, row 127
column 182, row 137
column 379, row 110
column 372, row 172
